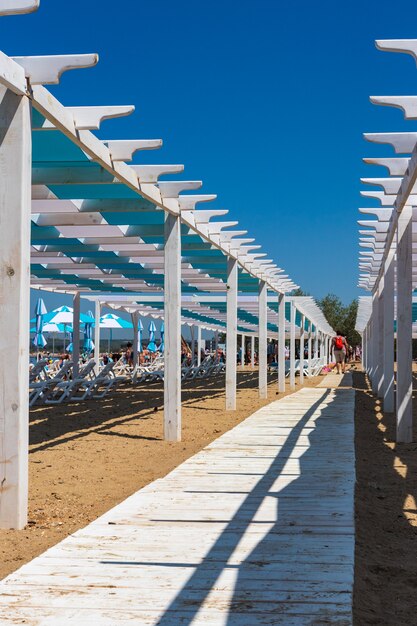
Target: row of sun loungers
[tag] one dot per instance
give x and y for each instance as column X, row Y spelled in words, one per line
column 53, row 385
column 155, row 371
column 64, row 386
column 315, row 368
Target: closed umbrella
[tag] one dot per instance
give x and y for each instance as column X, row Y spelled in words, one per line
column 140, row 331
column 152, row 329
column 88, row 344
column 162, row 331
column 39, row 340
column 70, row 346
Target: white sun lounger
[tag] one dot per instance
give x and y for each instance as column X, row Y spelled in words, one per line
column 67, row 389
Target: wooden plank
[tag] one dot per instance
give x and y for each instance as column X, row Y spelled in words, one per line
column 258, row 528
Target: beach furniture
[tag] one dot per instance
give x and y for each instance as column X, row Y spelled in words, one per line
column 66, row 390
column 39, row 391
column 38, row 370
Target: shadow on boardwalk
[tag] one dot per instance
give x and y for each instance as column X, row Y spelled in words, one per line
column 299, row 569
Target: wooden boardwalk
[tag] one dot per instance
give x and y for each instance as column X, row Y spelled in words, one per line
column 255, row 529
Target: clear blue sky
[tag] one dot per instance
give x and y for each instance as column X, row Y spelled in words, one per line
column 265, row 101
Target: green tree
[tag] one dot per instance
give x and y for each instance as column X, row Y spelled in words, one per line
column 341, row 317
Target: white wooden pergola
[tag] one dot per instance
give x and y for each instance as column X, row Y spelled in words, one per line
column 81, row 219
column 388, row 260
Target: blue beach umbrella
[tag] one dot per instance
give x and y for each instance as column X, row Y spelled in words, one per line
column 111, row 321
column 140, row 330
column 162, row 331
column 152, row 345
column 40, row 310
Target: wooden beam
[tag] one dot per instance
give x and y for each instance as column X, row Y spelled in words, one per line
column 231, row 334
column 263, row 340
column 404, row 396
column 281, row 343
column 15, row 172
column 172, row 318
column 76, row 333
column 97, row 313
column 292, row 346
column 302, row 335
column 242, row 345
column 388, row 359
column 199, row 345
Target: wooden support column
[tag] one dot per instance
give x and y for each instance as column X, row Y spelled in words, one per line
column 198, row 345
column 388, row 358
column 404, row 400
column 252, row 351
column 281, row 342
column 76, row 333
column 243, row 350
column 375, row 329
column 263, row 340
column 15, row 209
column 370, row 351
column 380, row 339
column 364, row 349
column 302, row 335
column 231, row 334
column 192, row 343
column 172, row 321
column 135, row 346
column 292, row 346
column 216, row 342
column 316, row 343
column 309, row 348
column 97, row 315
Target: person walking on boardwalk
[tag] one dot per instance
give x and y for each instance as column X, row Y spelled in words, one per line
column 340, row 348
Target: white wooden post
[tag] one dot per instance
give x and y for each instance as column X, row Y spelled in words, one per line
column 309, row 346
column 172, row 320
column 380, row 346
column 302, row 331
column 292, row 346
column 252, row 351
column 281, row 342
column 135, row 346
column 263, row 341
column 375, row 360
column 192, row 343
column 243, row 350
column 231, row 334
column 388, row 389
column 76, row 333
column 97, row 313
column 198, row 345
column 365, row 349
column 370, row 351
column 316, row 343
column 404, row 396
column 15, row 209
